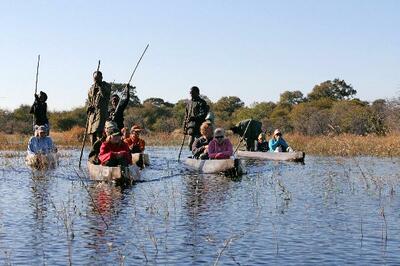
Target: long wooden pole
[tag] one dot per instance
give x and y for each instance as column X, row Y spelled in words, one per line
column 36, row 83
column 86, row 129
column 137, row 64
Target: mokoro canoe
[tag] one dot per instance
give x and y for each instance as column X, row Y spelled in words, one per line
column 214, row 166
column 297, row 156
column 42, row 162
column 140, row 159
column 118, row 174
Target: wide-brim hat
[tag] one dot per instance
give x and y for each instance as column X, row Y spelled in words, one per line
column 219, row 132
column 136, row 128
column 41, row 129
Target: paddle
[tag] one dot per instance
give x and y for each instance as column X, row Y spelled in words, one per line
column 37, row 78
column 242, row 138
column 137, row 64
column 86, row 128
column 185, row 122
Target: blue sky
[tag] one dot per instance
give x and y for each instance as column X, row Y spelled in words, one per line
column 251, row 49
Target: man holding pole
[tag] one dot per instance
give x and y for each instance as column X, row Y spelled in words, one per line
column 97, row 110
column 195, row 114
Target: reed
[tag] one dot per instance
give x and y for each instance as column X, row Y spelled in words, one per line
column 333, row 145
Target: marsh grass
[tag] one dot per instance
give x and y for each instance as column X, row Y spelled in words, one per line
column 335, row 145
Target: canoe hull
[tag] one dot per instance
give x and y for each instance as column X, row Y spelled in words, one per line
column 297, row 156
column 42, row 161
column 113, row 174
column 140, row 159
column 214, row 166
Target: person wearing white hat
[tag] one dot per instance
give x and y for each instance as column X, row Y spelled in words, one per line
column 277, row 143
column 41, row 143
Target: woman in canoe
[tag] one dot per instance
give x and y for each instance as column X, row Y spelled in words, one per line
column 278, row 144
column 114, row 152
column 220, row 147
column 200, row 145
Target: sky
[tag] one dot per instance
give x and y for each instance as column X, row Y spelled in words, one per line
column 251, row 49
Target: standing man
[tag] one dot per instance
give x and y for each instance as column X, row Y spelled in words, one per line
column 98, row 99
column 195, row 114
column 116, row 113
column 249, row 129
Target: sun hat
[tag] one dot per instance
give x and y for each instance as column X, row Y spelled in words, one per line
column 136, row 128
column 41, row 129
column 219, row 132
column 277, row 131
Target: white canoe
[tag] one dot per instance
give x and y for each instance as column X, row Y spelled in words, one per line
column 214, row 166
column 113, row 174
column 297, row 156
column 42, row 161
column 140, row 159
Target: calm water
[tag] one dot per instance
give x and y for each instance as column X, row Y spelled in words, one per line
column 328, row 211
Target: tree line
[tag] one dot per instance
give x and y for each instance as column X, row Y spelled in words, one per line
column 330, row 108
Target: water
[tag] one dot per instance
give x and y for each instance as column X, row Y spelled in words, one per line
column 327, row 211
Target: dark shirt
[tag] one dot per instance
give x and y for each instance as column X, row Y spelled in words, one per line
column 196, row 113
column 117, row 114
column 253, row 130
column 199, row 146
column 39, row 111
column 263, row 146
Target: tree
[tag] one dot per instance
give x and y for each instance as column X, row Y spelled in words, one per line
column 158, row 102
column 291, row 97
column 119, row 89
column 224, row 108
column 335, row 90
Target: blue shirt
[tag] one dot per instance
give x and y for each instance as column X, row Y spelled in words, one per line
column 38, row 145
column 273, row 144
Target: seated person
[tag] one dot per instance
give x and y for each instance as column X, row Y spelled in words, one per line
column 134, row 142
column 41, row 143
column 200, row 145
column 249, row 130
column 220, row 147
column 94, row 152
column 262, row 143
column 113, row 151
column 278, row 144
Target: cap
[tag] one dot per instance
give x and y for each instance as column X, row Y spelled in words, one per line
column 136, row 128
column 277, row 131
column 219, row 132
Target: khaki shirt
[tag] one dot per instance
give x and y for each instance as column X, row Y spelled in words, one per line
column 99, row 98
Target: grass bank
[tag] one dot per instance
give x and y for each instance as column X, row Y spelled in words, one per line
column 336, row 145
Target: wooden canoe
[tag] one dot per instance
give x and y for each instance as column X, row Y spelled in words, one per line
column 140, row 159
column 297, row 156
column 214, row 166
column 42, row 162
column 118, row 174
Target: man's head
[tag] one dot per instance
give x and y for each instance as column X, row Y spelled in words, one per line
column 41, row 131
column 135, row 130
column 114, row 100
column 235, row 129
column 206, row 130
column 219, row 135
column 194, row 92
column 97, row 76
column 42, row 96
column 114, row 135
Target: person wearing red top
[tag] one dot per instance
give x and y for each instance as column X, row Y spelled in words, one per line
column 114, row 152
column 135, row 143
column 220, row 147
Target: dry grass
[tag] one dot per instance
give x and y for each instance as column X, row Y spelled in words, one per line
column 341, row 145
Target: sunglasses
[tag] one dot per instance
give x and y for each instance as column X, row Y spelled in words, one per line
column 219, row 137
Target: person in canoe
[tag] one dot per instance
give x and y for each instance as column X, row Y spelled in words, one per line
column 262, row 143
column 113, row 151
column 195, row 114
column 200, row 145
column 94, row 152
column 116, row 112
column 278, row 144
column 249, row 130
column 125, row 133
column 134, row 142
column 41, row 143
column 97, row 110
column 220, row 147
column 39, row 111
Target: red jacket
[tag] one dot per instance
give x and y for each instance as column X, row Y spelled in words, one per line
column 109, row 151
